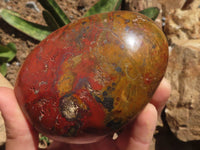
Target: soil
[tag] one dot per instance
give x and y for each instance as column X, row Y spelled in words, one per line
column 164, row 139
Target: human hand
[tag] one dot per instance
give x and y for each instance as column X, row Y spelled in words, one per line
column 136, row 136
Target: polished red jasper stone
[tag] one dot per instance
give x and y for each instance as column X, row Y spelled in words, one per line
column 91, row 77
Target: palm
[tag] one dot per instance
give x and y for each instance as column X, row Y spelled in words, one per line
column 20, row 135
column 105, row 144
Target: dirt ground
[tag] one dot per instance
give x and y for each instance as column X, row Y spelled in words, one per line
column 163, row 138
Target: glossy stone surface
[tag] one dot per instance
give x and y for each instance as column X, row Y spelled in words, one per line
column 93, row 76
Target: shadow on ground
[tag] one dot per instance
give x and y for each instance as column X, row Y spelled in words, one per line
column 166, row 140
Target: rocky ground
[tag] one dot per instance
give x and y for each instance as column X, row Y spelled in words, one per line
column 179, row 126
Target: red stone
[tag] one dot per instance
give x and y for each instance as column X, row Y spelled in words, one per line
column 91, row 77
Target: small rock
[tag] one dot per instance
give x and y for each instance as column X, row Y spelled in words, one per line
column 32, row 4
column 115, row 136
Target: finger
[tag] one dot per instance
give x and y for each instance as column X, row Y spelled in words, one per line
column 161, row 95
column 105, row 144
column 11, row 112
column 140, row 135
column 18, row 131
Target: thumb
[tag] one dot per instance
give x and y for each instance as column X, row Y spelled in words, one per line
column 20, row 134
column 141, row 133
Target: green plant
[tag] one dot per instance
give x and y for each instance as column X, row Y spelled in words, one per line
column 151, row 12
column 56, row 18
column 7, row 53
column 44, row 139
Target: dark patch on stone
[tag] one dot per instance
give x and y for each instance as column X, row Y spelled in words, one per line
column 108, row 103
column 154, row 46
column 72, row 131
column 127, row 20
column 114, row 125
column 118, row 69
column 98, row 99
column 105, row 93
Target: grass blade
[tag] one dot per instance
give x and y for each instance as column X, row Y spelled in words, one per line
column 50, row 20
column 12, row 47
column 3, row 69
column 52, row 7
column 104, row 6
column 151, row 12
column 6, row 53
column 13, row 13
column 33, row 30
column 13, row 50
